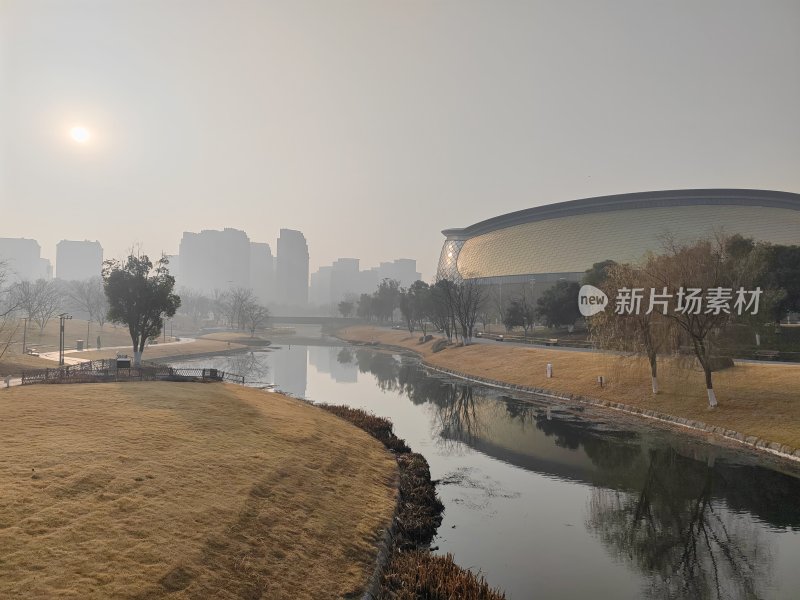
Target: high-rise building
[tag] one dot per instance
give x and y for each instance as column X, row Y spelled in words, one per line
column 403, row 270
column 77, row 261
column 320, row 290
column 23, row 261
column 344, row 279
column 292, row 276
column 336, row 282
column 214, row 259
column 262, row 273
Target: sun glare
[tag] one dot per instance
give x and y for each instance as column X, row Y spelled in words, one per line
column 79, row 134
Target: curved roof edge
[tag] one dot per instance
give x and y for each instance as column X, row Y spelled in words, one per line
column 741, row 197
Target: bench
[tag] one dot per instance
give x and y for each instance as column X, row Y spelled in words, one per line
column 767, row 354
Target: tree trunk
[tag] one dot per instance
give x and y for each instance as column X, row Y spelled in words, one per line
column 137, row 358
column 712, row 398
column 653, row 370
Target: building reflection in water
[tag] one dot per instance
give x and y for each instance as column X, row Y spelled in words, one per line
column 689, row 516
column 336, row 362
column 290, row 365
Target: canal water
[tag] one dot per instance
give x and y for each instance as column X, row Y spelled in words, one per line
column 555, row 501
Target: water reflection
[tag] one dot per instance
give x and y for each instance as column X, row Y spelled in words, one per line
column 291, row 369
column 333, row 361
column 676, row 516
column 685, row 543
column 685, row 514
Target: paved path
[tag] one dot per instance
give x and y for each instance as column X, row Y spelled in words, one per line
column 76, row 360
column 69, row 359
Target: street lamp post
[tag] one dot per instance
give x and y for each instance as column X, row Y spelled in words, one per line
column 24, row 334
column 61, row 318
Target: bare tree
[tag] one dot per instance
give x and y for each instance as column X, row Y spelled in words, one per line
column 443, row 307
column 219, row 305
column 239, row 299
column 254, row 316
column 8, row 322
column 684, row 272
column 468, row 297
column 646, row 331
column 40, row 300
column 195, row 305
column 89, row 298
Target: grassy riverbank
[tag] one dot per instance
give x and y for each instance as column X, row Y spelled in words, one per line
column 114, row 340
column 761, row 400
column 409, row 571
column 179, row 490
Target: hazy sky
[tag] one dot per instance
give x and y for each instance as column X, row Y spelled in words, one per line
column 372, row 125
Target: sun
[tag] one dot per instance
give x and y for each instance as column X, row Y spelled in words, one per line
column 79, row 134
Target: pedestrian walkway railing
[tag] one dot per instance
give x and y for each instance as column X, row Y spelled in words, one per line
column 109, row 370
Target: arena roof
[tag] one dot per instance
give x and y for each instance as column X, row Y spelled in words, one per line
column 666, row 198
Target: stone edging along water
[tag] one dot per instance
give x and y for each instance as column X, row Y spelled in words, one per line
column 753, row 442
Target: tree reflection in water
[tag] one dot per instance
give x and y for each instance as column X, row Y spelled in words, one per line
column 686, row 544
column 689, row 525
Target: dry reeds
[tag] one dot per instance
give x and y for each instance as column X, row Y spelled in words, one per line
column 420, row 575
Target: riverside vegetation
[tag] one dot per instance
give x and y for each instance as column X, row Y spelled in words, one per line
column 412, row 572
column 760, row 399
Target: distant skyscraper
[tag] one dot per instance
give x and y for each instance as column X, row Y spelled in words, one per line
column 292, row 269
column 330, row 284
column 262, row 273
column 320, row 290
column 77, row 261
column 344, row 279
column 23, row 261
column 214, row 259
column 403, row 270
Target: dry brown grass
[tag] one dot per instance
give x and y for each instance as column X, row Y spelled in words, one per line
column 198, row 346
column 755, row 399
column 13, row 364
column 74, row 329
column 149, row 490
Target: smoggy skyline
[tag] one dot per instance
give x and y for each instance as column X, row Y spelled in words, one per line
column 371, row 126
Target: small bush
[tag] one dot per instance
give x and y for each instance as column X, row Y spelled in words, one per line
column 439, row 345
column 420, row 575
column 377, row 427
column 720, row 363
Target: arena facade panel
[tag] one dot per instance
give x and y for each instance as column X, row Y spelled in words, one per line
column 560, row 241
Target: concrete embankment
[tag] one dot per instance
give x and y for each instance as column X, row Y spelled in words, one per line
column 759, row 406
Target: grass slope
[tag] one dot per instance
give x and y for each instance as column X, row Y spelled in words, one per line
column 149, row 490
column 755, row 399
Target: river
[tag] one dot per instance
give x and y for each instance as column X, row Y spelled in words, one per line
column 555, row 501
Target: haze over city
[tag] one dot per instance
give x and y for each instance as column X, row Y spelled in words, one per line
column 371, row 126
